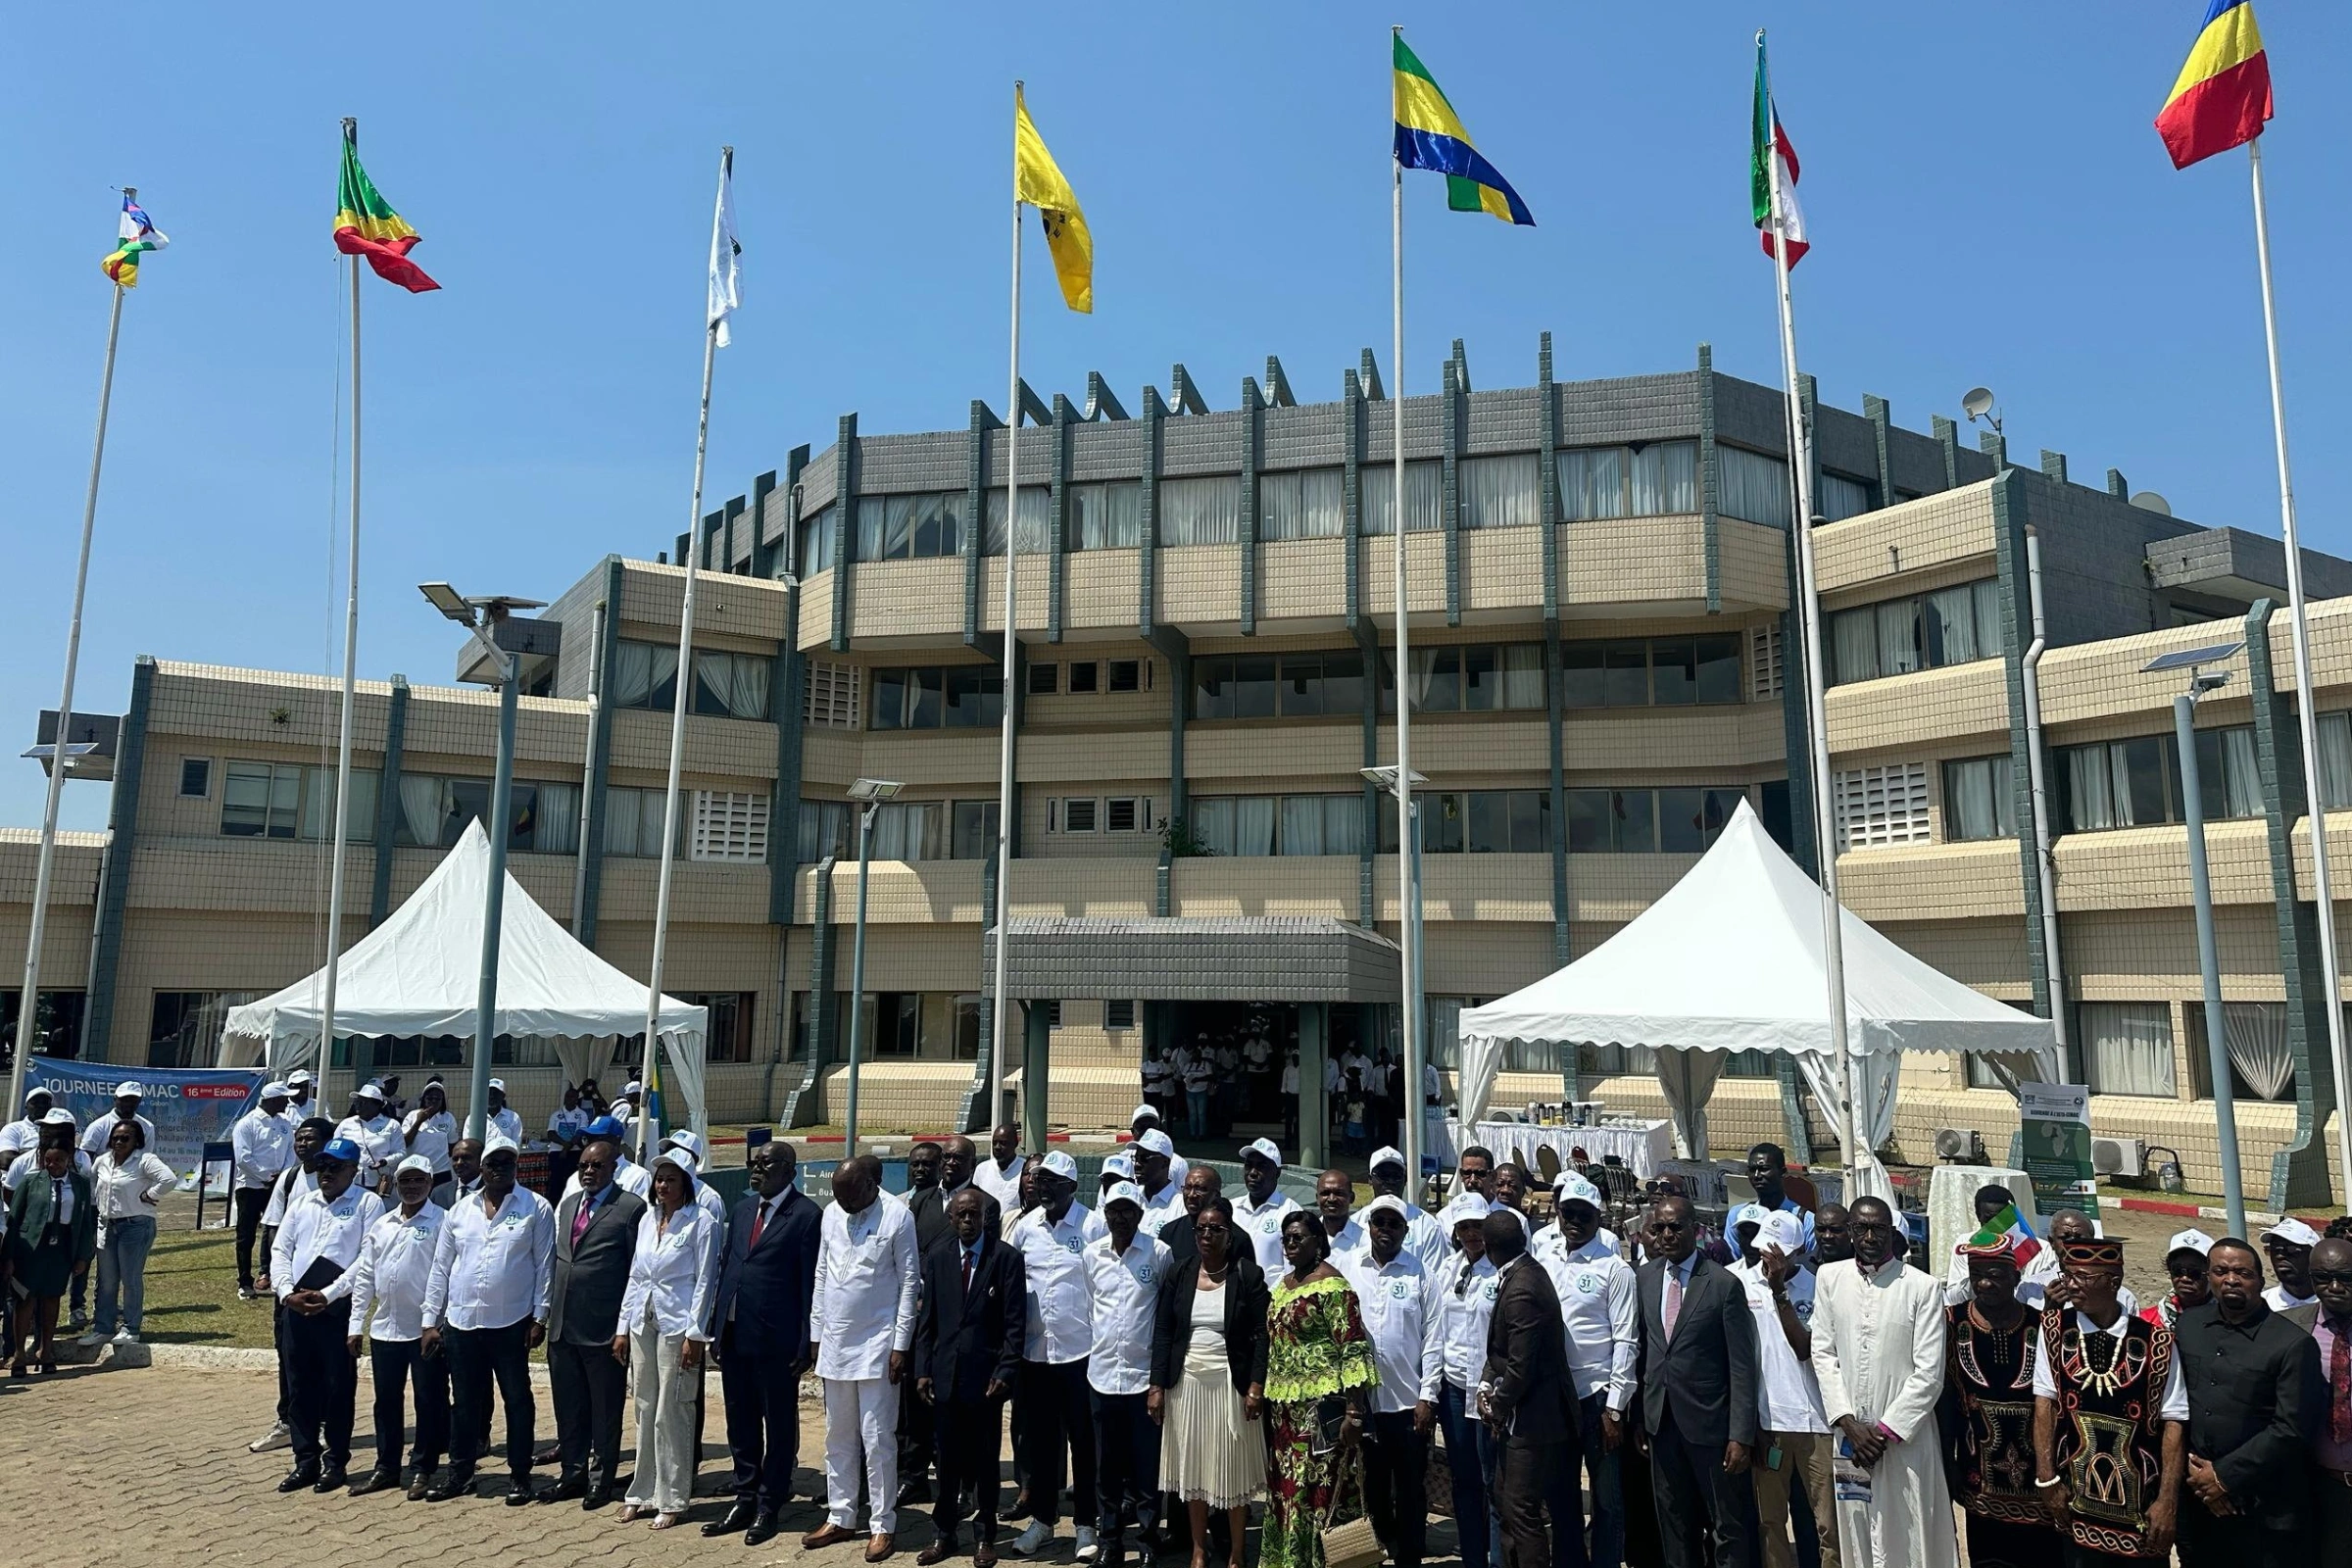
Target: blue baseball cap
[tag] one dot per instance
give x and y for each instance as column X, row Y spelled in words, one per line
column 342, row 1148
column 604, row 1127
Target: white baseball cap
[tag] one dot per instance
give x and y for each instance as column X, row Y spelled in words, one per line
column 298, row 1077
column 273, row 1090
column 1467, row 1206
column 1572, row 1188
column 1124, row 1192
column 1155, row 1141
column 2189, row 1241
column 2293, row 1232
column 1386, row 1156
column 57, row 1117
column 680, row 1158
column 1265, row 1149
column 374, row 1092
column 1781, row 1229
column 498, row 1141
column 414, row 1162
column 1118, row 1166
column 1059, row 1164
column 127, row 1089
column 1142, row 1113
column 685, row 1138
column 1384, row 1203
column 632, row 1087
column 498, row 1084
column 1745, row 1214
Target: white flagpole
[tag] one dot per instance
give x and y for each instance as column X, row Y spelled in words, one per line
column 1408, row 887
column 351, row 649
column 1832, row 938
column 2306, row 717
column 647, row 1132
column 28, row 1006
column 997, row 1010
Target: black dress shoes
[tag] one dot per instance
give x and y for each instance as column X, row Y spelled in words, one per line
column 735, row 1521
column 453, row 1485
column 334, row 1478
column 762, row 1531
column 518, row 1491
column 565, row 1490
column 375, row 1481
column 598, row 1497
column 300, row 1475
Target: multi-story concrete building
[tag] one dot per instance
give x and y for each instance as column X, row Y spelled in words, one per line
column 1603, row 665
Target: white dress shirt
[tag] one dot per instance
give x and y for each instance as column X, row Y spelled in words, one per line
column 2173, row 1408
column 102, row 1128
column 1401, row 1309
column 396, row 1263
column 382, row 1143
column 507, row 1125
column 1787, row 1393
column 1163, row 1206
column 18, row 1136
column 1465, row 1301
column 674, row 1272
column 1353, row 1244
column 491, row 1270
column 262, row 1146
column 1061, row 1314
column 2279, row 1299
column 869, row 1282
column 1124, row 1288
column 627, row 1175
column 707, row 1199
column 316, row 1229
column 1263, row 1222
column 132, row 1188
column 999, row 1183
column 295, row 1185
column 431, row 1138
column 1598, row 1306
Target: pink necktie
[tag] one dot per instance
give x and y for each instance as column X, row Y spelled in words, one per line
column 1674, row 1298
column 579, row 1221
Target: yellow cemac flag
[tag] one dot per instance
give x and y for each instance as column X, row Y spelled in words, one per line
column 1037, row 179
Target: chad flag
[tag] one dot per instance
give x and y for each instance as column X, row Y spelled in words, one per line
column 2222, row 95
column 367, row 225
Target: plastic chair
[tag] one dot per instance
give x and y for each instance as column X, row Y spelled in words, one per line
column 1548, row 1161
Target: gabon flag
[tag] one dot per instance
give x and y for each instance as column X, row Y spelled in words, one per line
column 2222, row 97
column 367, row 225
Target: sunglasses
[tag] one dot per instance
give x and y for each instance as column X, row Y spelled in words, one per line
column 2331, row 1276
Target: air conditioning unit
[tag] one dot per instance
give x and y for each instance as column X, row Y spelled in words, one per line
column 2125, row 1157
column 1959, row 1146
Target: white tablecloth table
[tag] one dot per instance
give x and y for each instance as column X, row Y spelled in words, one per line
column 1641, row 1147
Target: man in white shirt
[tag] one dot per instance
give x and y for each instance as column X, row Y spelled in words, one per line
column 503, row 1123
column 1052, row 1411
column 1258, row 1212
column 1603, row 1322
column 1288, row 1091
column 1157, row 1174
column 1335, row 1203
column 1465, row 1309
column 1000, row 1175
column 302, row 1087
column 1397, row 1296
column 317, row 1244
column 487, row 1300
column 568, row 1122
column 396, row 1262
column 1125, row 1270
column 24, row 1133
column 262, row 1142
column 1422, row 1235
column 382, row 1143
column 1146, row 1120
column 1789, row 1422
column 860, row 1325
column 2288, row 1243
column 126, row 1108
column 1199, row 1067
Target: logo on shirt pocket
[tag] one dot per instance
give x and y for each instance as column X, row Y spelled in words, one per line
column 1399, row 1290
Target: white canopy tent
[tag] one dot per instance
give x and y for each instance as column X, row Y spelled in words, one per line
column 418, row 973
column 1732, row 959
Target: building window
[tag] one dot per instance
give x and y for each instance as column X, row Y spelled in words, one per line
column 1921, row 631
column 1303, row 503
column 824, row 829
column 1045, row 679
column 1678, row 820
column 196, row 777
column 1753, row 487
column 731, row 1022
column 184, row 1028
column 1650, row 672
column 1881, row 805
column 1126, row 814
column 910, row 527
column 1766, row 673
column 953, row 696
column 910, row 830
column 2127, row 1047
column 1977, row 800
column 2136, row 782
column 2335, row 761
column 732, row 685
column 1118, row 1015
column 542, row 817
column 1505, row 492
column 1128, row 675
column 830, row 701
column 1424, row 495
column 632, row 821
column 2261, row 1066
column 1842, row 497
column 56, row 1028
column 816, row 552
column 729, row 825
column 974, row 830
column 1053, row 1014
column 1037, row 521
column 1107, row 516
column 1200, row 512
column 1272, row 825
column 1086, row 679
column 1474, row 678
column 1615, row 1062
column 287, row 801
column 1657, row 479
column 1076, row 814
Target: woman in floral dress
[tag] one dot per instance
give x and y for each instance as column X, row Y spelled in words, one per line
column 1318, row 1358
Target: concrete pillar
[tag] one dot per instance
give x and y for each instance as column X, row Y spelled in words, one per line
column 1314, row 1118
column 1035, row 1089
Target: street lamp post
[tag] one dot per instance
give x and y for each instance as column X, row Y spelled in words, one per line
column 480, row 618
column 873, row 792
column 2200, row 888
column 1416, row 1044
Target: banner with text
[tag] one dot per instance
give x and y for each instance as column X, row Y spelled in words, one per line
column 2056, row 1129
column 190, row 1106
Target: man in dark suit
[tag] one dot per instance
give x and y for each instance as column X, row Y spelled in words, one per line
column 596, row 1238
column 1201, row 1184
column 759, row 1331
column 927, row 1201
column 1698, row 1394
column 967, row 1345
column 1528, row 1399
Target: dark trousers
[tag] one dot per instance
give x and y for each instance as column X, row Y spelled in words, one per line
column 971, row 1437
column 761, row 1387
column 1058, row 1432
column 322, row 1380
column 2241, row 1542
column 477, row 1358
column 588, row 1387
column 916, row 1437
column 1523, row 1475
column 1470, row 1457
column 1695, row 1502
column 2330, row 1518
column 249, row 1202
column 285, row 1382
column 1290, row 1121
column 1606, row 1484
column 1396, row 1487
column 398, row 1363
column 1127, row 1447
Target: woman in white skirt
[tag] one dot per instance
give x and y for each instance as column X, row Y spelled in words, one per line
column 1208, row 1376
column 664, row 1316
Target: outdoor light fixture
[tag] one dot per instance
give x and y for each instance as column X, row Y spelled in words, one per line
column 874, row 789
column 448, row 600
column 1386, row 777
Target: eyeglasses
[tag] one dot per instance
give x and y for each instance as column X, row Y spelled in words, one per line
column 2331, row 1276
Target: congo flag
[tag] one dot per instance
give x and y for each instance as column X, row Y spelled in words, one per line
column 367, row 225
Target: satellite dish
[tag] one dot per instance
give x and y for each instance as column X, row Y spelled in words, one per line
column 1976, row 403
column 2150, row 501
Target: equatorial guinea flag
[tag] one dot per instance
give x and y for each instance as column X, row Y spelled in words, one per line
column 1771, row 141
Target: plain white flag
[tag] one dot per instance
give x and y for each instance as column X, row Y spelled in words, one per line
column 726, row 252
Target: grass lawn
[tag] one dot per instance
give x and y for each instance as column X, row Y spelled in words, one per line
column 192, row 1284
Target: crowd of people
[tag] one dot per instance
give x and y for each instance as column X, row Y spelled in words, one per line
column 1227, row 1076
column 1778, row 1387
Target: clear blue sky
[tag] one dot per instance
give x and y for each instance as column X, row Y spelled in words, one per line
column 1987, row 200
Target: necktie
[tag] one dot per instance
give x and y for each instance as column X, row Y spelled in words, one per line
column 967, row 1280
column 2339, row 1381
column 1673, row 1307
column 758, row 1224
column 579, row 1221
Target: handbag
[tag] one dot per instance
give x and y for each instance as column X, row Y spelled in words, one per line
column 1354, row 1543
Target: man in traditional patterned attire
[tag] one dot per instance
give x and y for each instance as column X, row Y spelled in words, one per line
column 1990, row 1371
column 2110, row 1416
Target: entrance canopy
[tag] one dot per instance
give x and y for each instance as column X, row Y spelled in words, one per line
column 1732, row 959
column 1226, row 960
column 418, row 973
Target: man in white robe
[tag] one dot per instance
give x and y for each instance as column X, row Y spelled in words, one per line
column 1877, row 1351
